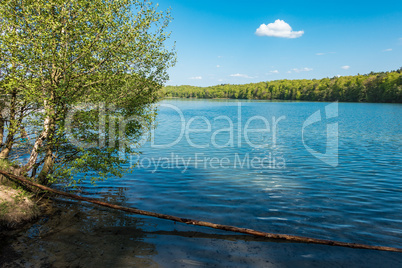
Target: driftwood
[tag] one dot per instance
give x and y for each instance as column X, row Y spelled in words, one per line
column 291, row 238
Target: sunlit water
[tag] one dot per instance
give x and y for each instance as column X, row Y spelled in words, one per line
column 201, row 165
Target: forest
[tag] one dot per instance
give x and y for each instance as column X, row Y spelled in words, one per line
column 372, row 87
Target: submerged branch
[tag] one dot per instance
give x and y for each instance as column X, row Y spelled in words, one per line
column 291, row 238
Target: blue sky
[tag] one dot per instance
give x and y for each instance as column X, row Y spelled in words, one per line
column 217, row 41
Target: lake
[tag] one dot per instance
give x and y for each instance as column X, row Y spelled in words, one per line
column 323, row 170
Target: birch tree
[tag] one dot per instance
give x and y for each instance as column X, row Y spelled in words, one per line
column 57, row 54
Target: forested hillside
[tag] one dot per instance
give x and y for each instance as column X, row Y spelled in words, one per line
column 373, row 87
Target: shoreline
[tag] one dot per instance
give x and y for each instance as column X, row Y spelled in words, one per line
column 16, row 207
column 273, row 100
column 75, row 236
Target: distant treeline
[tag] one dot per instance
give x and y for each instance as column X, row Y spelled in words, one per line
column 373, row 87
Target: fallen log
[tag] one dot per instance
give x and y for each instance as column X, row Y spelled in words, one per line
column 291, row 238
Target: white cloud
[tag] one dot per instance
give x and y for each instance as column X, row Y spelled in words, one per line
column 274, row 72
column 305, row 69
column 241, row 75
column 346, row 67
column 218, row 66
column 386, row 50
column 196, row 78
column 278, row 29
column 321, row 54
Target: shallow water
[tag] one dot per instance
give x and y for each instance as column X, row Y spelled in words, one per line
column 209, row 175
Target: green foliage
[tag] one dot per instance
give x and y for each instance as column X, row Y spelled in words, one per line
column 57, row 55
column 6, row 164
column 373, row 87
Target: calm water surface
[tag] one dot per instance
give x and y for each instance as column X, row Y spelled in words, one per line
column 201, row 165
column 357, row 201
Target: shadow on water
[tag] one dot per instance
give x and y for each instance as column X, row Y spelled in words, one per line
column 83, row 235
column 79, row 235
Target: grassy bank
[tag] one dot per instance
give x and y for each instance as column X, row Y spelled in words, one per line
column 16, row 204
column 16, row 207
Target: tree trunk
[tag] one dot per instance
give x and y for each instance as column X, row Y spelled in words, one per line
column 12, row 128
column 48, row 160
column 2, row 122
column 47, row 166
column 46, row 132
